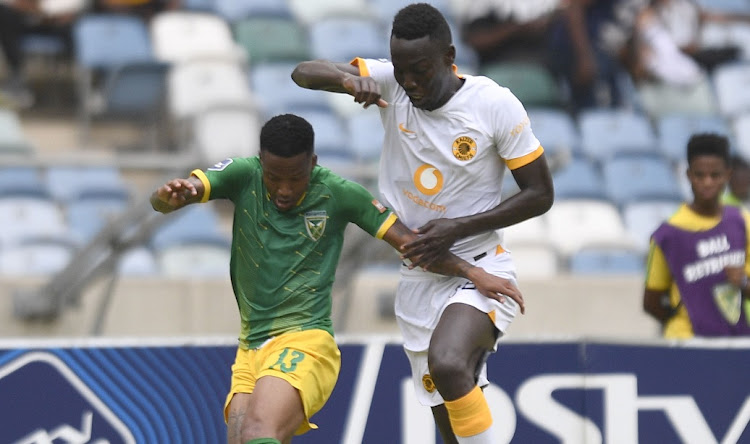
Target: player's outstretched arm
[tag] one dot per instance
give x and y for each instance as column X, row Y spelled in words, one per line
column 449, row 264
column 177, row 193
column 338, row 77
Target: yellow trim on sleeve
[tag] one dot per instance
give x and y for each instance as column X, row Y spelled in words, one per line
column 206, row 184
column 386, row 225
column 359, row 62
column 518, row 162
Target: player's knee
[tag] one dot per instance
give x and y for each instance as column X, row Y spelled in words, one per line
column 253, row 427
column 445, row 367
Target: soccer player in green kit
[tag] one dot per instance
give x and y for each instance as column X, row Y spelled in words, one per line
column 288, row 230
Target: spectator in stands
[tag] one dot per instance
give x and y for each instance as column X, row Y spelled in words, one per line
column 591, row 48
column 448, row 139
column 502, row 30
column 290, row 217
column 697, row 273
column 20, row 18
column 145, row 9
column 738, row 189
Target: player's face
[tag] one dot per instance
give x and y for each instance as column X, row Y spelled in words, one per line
column 708, row 176
column 424, row 69
column 286, row 178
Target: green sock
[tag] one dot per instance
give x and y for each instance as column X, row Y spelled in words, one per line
column 263, row 441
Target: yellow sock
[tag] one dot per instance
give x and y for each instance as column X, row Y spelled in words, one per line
column 470, row 414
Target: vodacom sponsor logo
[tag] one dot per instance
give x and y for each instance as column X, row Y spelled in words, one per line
column 428, row 180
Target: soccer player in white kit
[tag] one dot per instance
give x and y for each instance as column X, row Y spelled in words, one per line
column 448, row 139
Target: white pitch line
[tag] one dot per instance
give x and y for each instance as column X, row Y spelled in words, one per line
column 359, row 409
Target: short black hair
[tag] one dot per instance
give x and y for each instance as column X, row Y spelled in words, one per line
column 708, row 144
column 419, row 20
column 287, row 135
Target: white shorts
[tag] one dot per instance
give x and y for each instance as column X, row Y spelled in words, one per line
column 420, row 300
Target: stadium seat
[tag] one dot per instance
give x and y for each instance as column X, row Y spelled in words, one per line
column 179, row 36
column 332, row 140
column 730, row 83
column 385, row 10
column 606, row 261
column 225, row 131
column 556, row 130
column 741, row 131
column 577, row 223
column 660, row 99
column 117, row 49
column 342, row 38
column 199, row 84
column 272, row 39
column 530, row 231
column 635, row 177
column 642, row 218
column 234, row 11
column 198, row 260
column 26, row 217
column 275, row 92
column 138, row 261
column 307, row 12
column 674, row 130
column 536, row 261
column 13, row 140
column 607, row 131
column 366, row 135
column 531, row 83
column 86, row 217
column 35, row 258
column 192, row 225
column 68, row 183
column 198, row 5
column 579, row 178
column 22, row 181
column 727, row 6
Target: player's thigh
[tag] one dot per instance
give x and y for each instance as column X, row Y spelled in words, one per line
column 463, row 333
column 275, row 409
column 235, row 413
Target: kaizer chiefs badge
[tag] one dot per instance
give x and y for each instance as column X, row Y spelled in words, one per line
column 464, row 148
column 315, row 224
column 428, row 384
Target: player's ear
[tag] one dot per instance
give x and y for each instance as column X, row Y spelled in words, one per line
column 449, row 57
column 314, row 160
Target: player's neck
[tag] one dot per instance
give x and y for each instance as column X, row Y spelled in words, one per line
column 707, row 208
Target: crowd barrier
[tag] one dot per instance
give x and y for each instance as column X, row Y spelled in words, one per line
column 574, row 391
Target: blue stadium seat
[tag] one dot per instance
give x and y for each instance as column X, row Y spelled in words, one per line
column 607, row 131
column 36, row 258
column 22, row 181
column 342, row 38
column 191, row 225
column 555, row 129
column 86, row 217
column 138, row 261
column 117, row 47
column 634, row 177
column 69, row 183
column 366, row 135
column 332, row 141
column 235, row 10
column 674, row 131
column 730, row 82
column 606, row 261
column 579, row 178
column 272, row 39
column 643, row 217
column 275, row 92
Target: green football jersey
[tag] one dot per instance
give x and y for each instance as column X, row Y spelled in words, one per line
column 283, row 263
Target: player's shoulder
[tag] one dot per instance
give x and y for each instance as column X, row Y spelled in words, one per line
column 486, row 92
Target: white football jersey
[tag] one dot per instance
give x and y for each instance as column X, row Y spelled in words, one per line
column 450, row 162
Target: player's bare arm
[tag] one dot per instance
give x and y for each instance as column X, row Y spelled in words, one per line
column 338, row 77
column 654, row 305
column 449, row 264
column 535, row 198
column 177, row 193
